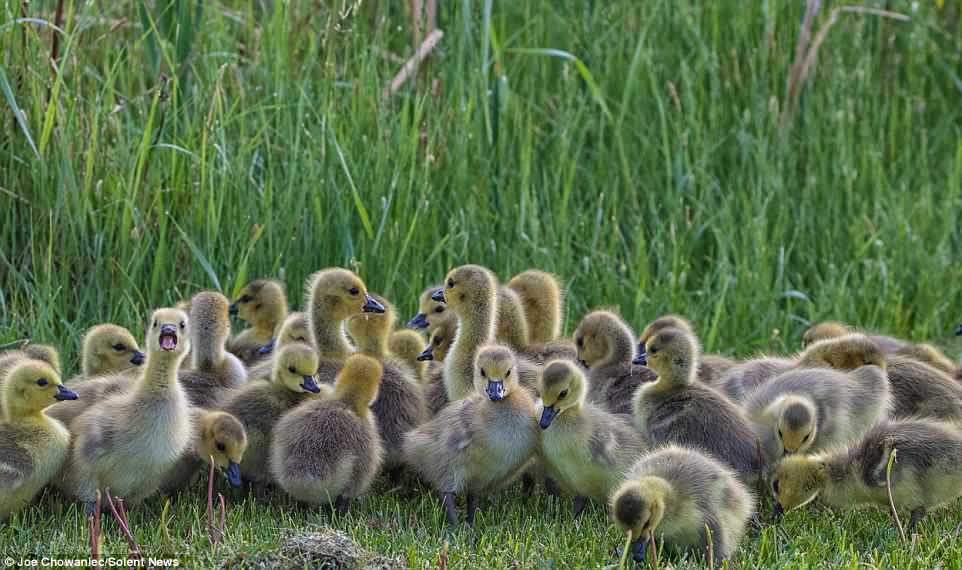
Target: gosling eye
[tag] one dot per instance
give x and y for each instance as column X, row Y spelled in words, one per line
column 508, row 373
column 292, row 370
column 652, row 350
column 119, row 347
column 562, row 395
column 245, row 299
column 257, row 307
column 439, row 309
column 183, row 325
column 775, row 486
column 450, row 283
column 581, row 342
column 354, row 291
column 438, row 340
column 301, row 339
column 42, row 382
column 155, row 324
column 483, row 375
column 804, row 439
column 220, row 446
column 780, row 435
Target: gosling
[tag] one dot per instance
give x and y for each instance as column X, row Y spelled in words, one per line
column 679, row 410
column 925, row 473
column 33, row 446
column 586, row 449
column 685, row 498
column 130, row 441
column 710, row 368
column 213, row 372
column 263, row 304
column 606, row 349
column 259, row 404
column 480, row 442
column 328, row 451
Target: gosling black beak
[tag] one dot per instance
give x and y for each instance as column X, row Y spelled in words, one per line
column 427, row 353
column 310, row 384
column 267, row 348
column 438, row 296
column 642, row 358
column 495, row 390
column 639, row 548
column 371, row 305
column 233, row 474
column 168, row 336
column 64, row 394
column 420, row 321
column 232, row 309
column 137, row 358
column 547, row 416
column 779, row 511
column 583, row 363
column 958, row 330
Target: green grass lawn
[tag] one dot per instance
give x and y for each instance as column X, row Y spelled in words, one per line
column 643, row 151
column 511, row 532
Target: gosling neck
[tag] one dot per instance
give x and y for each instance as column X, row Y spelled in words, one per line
column 374, row 345
column 548, row 326
column 207, row 352
column 91, row 364
column 475, row 329
column 160, row 371
column 15, row 411
column 621, row 347
column 329, row 338
column 353, row 400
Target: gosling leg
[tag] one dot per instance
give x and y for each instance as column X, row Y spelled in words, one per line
column 915, row 517
column 578, row 506
column 450, row 508
column 474, row 502
column 342, row 504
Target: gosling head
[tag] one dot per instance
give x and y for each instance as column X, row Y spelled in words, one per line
column 638, row 507
column 602, row 338
column 43, row 353
column 439, row 344
column 537, row 289
column 224, row 438
column 823, row 331
column 358, row 382
column 31, row 386
column 210, row 320
column 406, row 344
column 661, row 323
column 370, row 331
column 292, row 330
column 430, row 312
column 340, row 294
column 109, row 348
column 295, row 368
column 496, row 375
column 262, row 303
column 797, row 425
column 796, row 481
column 672, row 355
column 467, row 288
column 562, row 388
column 169, row 333
column 846, row 352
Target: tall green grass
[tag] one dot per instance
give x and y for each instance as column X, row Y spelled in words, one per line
column 631, row 147
column 634, row 148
